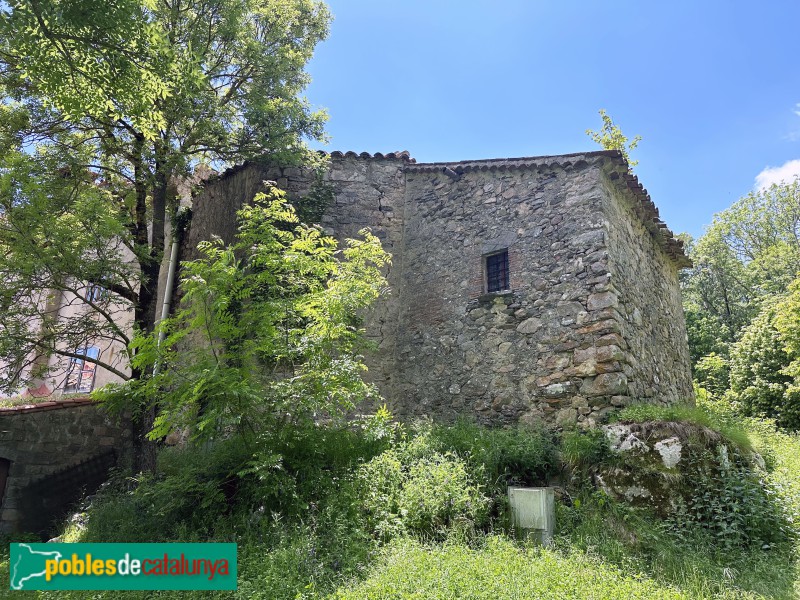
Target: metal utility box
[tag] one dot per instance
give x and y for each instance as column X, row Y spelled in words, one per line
column 533, row 512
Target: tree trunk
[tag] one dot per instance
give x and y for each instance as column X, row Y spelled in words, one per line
column 146, row 311
column 143, row 418
column 144, row 450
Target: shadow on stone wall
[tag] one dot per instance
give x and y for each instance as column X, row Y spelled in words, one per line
column 48, row 500
column 55, row 451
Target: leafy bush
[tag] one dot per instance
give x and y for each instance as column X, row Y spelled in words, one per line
column 520, row 455
column 268, row 333
column 404, row 492
column 759, row 383
column 636, row 541
column 583, row 450
column 314, row 534
column 730, row 502
column 713, row 372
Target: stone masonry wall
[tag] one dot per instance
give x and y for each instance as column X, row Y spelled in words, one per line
column 577, row 334
column 648, row 301
column 42, row 439
column 526, row 354
column 366, row 193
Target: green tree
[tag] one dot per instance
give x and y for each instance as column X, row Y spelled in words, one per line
column 747, row 256
column 712, row 373
column 268, row 333
column 761, row 385
column 718, row 289
column 106, row 107
column 611, row 137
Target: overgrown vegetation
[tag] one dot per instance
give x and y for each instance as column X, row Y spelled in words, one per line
column 106, row 109
column 380, row 510
column 267, row 336
column 741, row 301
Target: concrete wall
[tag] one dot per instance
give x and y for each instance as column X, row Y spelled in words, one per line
column 55, row 450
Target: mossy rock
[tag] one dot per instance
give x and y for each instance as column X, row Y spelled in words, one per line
column 658, row 464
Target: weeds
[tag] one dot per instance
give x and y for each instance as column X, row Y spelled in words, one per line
column 312, row 511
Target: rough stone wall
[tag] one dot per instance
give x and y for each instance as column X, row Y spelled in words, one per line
column 366, row 193
column 526, row 354
column 648, row 303
column 42, row 439
column 577, row 334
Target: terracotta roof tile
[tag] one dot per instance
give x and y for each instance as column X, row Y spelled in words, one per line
column 399, row 155
column 43, row 406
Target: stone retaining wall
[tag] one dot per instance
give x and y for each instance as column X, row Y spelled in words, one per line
column 49, row 438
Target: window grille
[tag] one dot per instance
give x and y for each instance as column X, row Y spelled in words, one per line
column 95, row 293
column 80, row 377
column 497, row 272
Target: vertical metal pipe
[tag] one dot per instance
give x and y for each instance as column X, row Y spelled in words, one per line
column 171, row 269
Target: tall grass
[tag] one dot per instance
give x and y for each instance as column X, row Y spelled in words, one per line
column 303, row 519
column 703, row 415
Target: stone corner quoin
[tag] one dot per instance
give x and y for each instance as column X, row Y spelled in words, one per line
column 592, row 316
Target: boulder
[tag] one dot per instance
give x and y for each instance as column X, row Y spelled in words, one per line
column 656, row 464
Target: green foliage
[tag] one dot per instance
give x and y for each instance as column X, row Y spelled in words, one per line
column 610, row 137
column 403, row 492
column 729, row 502
column 760, row 384
column 106, row 109
column 60, row 234
column 712, row 372
column 313, row 205
column 583, row 450
column 720, row 295
column 707, row 335
column 212, row 75
column 268, row 333
column 312, row 537
column 203, row 489
column 520, row 455
column 781, row 452
column 726, row 424
column 441, row 474
column 748, row 256
column 498, row 569
column 635, row 541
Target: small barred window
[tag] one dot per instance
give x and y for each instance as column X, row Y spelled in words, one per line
column 497, row 272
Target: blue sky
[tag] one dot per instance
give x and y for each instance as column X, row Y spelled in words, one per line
column 713, row 87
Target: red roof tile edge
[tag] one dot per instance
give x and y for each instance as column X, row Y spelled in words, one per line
column 49, row 405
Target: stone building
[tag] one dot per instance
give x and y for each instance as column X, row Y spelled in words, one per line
column 521, row 289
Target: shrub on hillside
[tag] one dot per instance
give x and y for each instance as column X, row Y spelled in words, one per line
column 520, row 455
column 584, row 450
column 402, row 491
column 760, row 383
column 713, row 373
column 731, row 502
